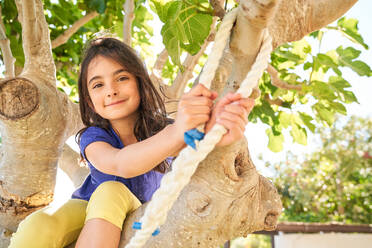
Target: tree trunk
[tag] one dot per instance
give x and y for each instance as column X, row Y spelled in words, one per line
column 226, row 197
column 36, row 120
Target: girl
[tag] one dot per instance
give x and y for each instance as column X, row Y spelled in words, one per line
column 127, row 142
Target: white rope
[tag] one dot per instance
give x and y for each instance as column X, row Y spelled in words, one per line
column 187, row 161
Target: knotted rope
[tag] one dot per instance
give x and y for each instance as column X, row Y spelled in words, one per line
column 187, row 161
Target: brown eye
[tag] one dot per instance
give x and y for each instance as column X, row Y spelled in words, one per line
column 123, row 78
column 98, row 85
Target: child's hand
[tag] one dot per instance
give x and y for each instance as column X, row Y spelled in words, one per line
column 232, row 113
column 194, row 109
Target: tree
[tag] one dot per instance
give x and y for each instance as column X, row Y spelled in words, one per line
column 334, row 182
column 41, row 44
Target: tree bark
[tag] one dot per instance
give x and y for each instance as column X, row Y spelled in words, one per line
column 36, row 119
column 128, row 19
column 8, row 58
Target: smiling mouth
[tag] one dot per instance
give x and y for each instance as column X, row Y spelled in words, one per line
column 115, row 103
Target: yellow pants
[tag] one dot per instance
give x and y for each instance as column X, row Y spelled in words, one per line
column 53, row 227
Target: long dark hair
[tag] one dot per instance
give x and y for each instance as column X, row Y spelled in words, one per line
column 151, row 111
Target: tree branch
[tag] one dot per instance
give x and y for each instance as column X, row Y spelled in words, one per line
column 306, row 17
column 36, row 40
column 63, row 38
column 277, row 101
column 8, row 58
column 128, row 19
column 155, row 75
column 275, row 80
column 218, row 9
column 253, row 17
column 32, row 30
column 69, row 163
column 326, row 11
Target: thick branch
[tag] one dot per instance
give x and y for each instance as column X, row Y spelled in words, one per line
column 246, row 39
column 306, row 16
column 63, row 38
column 72, row 114
column 327, row 11
column 36, row 40
column 275, row 80
column 8, row 58
column 128, row 19
column 32, row 30
column 70, row 163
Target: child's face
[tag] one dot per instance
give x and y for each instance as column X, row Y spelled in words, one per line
column 112, row 89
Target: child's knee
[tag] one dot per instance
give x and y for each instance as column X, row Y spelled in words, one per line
column 40, row 225
column 112, row 201
column 116, row 193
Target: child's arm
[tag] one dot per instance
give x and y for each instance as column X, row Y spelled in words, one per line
column 138, row 158
column 232, row 113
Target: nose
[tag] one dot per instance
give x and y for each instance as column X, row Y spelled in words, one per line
column 111, row 90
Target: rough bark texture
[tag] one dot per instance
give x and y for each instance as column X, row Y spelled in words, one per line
column 36, row 119
column 68, row 161
column 217, row 205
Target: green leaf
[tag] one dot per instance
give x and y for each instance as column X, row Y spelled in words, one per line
column 301, row 48
column 288, row 55
column 98, row 5
column 184, row 27
column 339, row 107
column 338, row 84
column 327, row 61
column 322, row 90
column 350, row 28
column 348, row 53
column 9, row 9
column 275, row 141
column 266, row 114
column 324, row 113
column 307, row 121
column 285, row 119
column 346, row 57
column 308, row 65
column 161, row 9
column 172, row 43
column 349, row 97
column 299, row 134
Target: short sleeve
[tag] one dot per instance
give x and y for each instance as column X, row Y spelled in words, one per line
column 94, row 134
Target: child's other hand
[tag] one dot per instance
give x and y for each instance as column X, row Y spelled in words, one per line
column 194, row 109
column 231, row 112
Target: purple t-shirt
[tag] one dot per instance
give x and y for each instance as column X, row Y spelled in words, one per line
column 142, row 186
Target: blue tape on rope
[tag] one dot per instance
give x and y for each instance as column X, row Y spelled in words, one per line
column 192, row 135
column 137, row 225
column 156, row 232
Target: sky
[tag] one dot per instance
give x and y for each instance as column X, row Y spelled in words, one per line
column 255, row 133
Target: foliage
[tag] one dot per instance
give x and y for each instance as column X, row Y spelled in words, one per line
column 320, row 77
column 333, row 183
column 252, row 241
column 186, row 24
